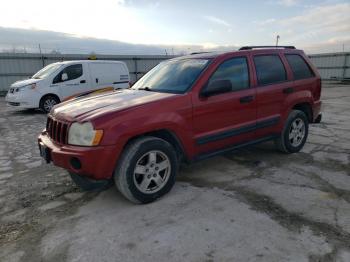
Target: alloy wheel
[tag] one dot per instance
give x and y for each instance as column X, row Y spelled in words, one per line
column 152, row 172
column 297, row 132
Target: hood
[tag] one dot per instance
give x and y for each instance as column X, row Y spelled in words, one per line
column 25, row 82
column 91, row 107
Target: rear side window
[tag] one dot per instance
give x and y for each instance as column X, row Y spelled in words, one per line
column 300, row 68
column 72, row 71
column 269, row 69
column 235, row 70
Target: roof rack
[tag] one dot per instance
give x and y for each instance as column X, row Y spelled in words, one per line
column 266, row 46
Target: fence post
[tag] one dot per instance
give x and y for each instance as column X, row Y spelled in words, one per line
column 136, row 69
column 42, row 57
column 345, row 63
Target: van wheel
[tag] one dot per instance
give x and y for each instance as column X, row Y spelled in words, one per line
column 147, row 170
column 294, row 134
column 48, row 102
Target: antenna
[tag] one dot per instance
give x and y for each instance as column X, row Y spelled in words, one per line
column 277, row 38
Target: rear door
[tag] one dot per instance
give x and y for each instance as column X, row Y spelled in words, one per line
column 109, row 75
column 75, row 83
column 229, row 118
column 273, row 83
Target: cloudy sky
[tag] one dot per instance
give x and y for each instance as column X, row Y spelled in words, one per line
column 134, row 26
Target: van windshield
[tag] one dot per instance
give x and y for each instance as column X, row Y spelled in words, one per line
column 174, row 76
column 47, row 70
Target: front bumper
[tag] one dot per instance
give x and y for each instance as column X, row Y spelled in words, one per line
column 96, row 162
column 17, row 100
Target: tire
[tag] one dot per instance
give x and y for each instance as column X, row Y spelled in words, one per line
column 146, row 170
column 47, row 102
column 294, row 134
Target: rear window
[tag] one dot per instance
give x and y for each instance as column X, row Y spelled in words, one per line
column 269, row 69
column 300, row 68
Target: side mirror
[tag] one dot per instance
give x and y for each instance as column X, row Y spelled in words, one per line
column 216, row 87
column 64, row 77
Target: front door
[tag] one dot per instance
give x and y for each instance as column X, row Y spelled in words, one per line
column 71, row 81
column 225, row 119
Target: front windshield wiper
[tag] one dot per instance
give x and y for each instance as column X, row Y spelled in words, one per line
column 145, row 88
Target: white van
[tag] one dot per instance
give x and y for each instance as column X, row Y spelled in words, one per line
column 58, row 81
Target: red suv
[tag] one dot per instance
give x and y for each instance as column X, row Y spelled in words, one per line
column 184, row 109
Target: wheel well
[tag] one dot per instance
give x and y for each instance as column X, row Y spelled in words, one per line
column 56, row 96
column 306, row 108
column 168, row 136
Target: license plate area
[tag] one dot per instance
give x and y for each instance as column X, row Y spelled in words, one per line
column 45, row 152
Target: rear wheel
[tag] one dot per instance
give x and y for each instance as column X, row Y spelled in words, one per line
column 48, row 102
column 294, row 134
column 147, row 169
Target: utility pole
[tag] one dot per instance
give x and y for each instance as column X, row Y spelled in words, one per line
column 277, row 38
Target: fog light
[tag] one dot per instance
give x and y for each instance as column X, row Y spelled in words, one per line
column 75, row 163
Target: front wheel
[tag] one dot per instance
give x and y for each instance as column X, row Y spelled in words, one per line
column 294, row 134
column 48, row 102
column 147, row 169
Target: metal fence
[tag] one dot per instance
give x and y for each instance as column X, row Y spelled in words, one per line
column 14, row 67
column 332, row 66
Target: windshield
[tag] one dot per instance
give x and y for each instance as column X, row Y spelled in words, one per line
column 172, row 76
column 47, row 70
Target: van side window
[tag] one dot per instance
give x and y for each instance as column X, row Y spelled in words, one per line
column 72, row 71
column 235, row 70
column 300, row 68
column 269, row 69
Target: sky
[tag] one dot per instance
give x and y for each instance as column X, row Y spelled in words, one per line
column 182, row 25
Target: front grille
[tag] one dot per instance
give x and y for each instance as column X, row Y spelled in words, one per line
column 57, row 130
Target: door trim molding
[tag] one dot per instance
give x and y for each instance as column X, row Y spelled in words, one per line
column 234, row 147
column 237, row 131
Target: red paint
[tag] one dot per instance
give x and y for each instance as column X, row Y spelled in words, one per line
column 126, row 114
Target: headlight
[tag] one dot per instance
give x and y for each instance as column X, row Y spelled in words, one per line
column 31, row 86
column 84, row 134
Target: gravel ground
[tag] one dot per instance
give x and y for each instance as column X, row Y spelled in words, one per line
column 253, row 205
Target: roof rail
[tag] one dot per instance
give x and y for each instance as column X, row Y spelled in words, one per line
column 196, row 53
column 266, row 46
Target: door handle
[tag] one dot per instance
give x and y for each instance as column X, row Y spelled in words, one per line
column 82, row 81
column 288, row 90
column 246, row 99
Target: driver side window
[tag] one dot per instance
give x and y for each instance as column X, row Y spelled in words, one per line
column 72, row 72
column 235, row 70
